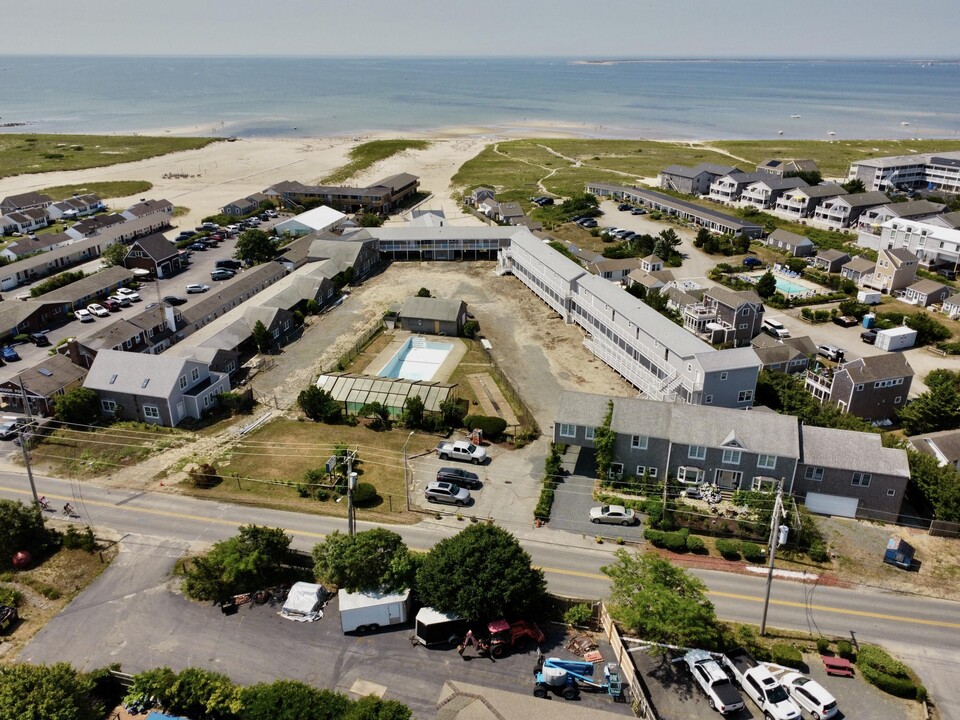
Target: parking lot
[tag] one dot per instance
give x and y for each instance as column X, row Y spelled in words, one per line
column 143, row 622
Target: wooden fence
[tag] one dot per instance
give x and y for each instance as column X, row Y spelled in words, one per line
column 639, row 695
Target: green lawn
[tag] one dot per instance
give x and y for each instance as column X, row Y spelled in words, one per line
column 117, row 188
column 22, row 154
column 365, row 155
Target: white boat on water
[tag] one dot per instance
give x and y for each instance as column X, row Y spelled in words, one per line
column 794, row 116
column 905, row 124
column 831, row 132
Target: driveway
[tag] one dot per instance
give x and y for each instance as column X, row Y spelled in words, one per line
column 573, row 499
column 134, row 615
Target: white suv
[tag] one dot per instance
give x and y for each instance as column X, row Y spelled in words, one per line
column 131, row 295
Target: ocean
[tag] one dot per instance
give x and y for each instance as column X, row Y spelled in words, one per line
column 311, row 97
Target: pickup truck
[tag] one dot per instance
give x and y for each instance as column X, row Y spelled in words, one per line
column 761, row 686
column 714, row 681
column 461, row 450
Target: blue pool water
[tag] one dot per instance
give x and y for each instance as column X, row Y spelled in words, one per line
column 789, row 288
column 418, row 359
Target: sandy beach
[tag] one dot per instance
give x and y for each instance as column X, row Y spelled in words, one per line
column 205, row 180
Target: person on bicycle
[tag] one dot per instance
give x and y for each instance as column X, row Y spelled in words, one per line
column 68, row 509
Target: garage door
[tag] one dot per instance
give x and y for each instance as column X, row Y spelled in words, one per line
column 831, row 505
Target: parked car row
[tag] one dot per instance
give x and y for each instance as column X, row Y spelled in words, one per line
column 627, row 207
column 542, row 201
column 452, row 486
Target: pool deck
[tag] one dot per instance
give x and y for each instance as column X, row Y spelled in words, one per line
column 807, row 285
column 400, row 337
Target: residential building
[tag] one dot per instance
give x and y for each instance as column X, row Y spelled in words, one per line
column 651, row 280
column 725, row 316
column 713, row 220
column 150, row 331
column 859, row 269
column 433, row 316
column 153, row 389
column 509, row 212
column 319, row 219
column 727, row 189
column 381, row 197
column 873, row 388
column 224, row 299
column 614, row 269
column 18, row 317
column 91, row 288
column 792, row 244
column 850, row 473
column 933, row 171
column 943, row 445
column 53, row 376
column 895, row 270
column 489, row 207
column 788, row 355
column 156, row 254
column 830, row 260
column 33, row 244
column 25, row 201
column 787, row 167
column 75, row 207
column 220, row 361
column 872, row 220
column 765, row 193
column 936, row 244
column 25, row 221
column 651, row 352
column 97, row 225
column 478, row 195
column 450, row 242
column 801, row 202
column 146, row 208
column 844, row 211
column 427, row 218
column 245, row 205
column 951, row 307
column 695, row 180
column 925, row 293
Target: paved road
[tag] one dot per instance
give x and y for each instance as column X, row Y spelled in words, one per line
column 925, row 631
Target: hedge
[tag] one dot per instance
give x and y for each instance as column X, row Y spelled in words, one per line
column 751, row 551
column 492, row 427
column 695, row 544
column 728, row 549
column 890, row 675
column 784, row 654
column 676, row 541
column 364, row 493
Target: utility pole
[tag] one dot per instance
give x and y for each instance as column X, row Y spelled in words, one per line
column 351, row 485
column 776, row 531
column 23, row 443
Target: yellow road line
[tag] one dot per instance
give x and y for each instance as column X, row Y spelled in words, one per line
column 555, row 571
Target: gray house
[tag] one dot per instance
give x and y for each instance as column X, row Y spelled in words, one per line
column 160, row 390
column 434, row 316
column 873, row 387
column 692, row 180
column 791, row 243
column 836, row 472
column 831, row 260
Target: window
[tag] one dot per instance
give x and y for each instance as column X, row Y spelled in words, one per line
column 589, row 433
column 745, row 396
column 567, row 430
column 639, row 442
column 195, row 374
column 767, row 461
column 813, row 473
column 708, row 400
column 891, row 493
column 897, row 399
column 723, row 376
column 206, row 401
column 151, row 411
column 859, row 387
column 616, row 471
column 731, row 457
column 183, row 381
column 650, row 471
column 861, row 479
column 108, row 405
column 697, row 452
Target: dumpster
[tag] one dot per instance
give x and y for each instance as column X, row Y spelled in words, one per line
column 899, row 552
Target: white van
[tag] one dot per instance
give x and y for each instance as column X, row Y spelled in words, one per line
column 775, row 328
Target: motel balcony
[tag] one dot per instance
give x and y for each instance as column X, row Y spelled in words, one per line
column 819, row 383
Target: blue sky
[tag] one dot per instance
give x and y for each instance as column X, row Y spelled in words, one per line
column 567, row 28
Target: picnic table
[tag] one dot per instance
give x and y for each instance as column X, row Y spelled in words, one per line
column 837, row 666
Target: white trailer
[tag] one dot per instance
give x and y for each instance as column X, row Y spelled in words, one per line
column 368, row 611
column 897, row 338
column 868, row 297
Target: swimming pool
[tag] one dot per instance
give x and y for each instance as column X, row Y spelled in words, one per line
column 789, row 288
column 417, row 359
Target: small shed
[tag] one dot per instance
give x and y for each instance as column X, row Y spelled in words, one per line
column 899, row 552
column 436, row 316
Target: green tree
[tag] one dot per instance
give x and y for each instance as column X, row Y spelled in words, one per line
column 660, row 602
column 928, row 330
column 936, row 409
column 47, row 692
column 938, row 485
column 703, row 235
column 370, row 707
column 413, row 412
column 249, row 561
column 379, row 411
column 481, row 573
column 766, row 285
column 854, row 186
column 80, row 406
column 255, row 247
column 604, row 442
column 373, row 560
column 202, row 694
column 454, row 411
column 291, row 700
column 370, row 220
column 261, row 337
column 312, row 307
column 423, row 292
column 666, row 244
column 22, row 528
column 114, row 254
column 319, row 405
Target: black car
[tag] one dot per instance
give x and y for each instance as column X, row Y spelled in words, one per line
column 39, row 339
column 174, row 300
column 459, row 477
column 869, row 336
column 624, row 206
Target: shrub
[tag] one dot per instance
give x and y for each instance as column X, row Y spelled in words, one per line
column 695, row 544
column 203, row 476
column 654, row 537
column 10, row 596
column 728, row 549
column 544, row 504
column 676, row 541
column 364, row 494
column 784, row 654
column 579, row 614
column 822, row 645
column 751, row 552
column 818, row 552
column 75, row 540
column 471, row 328
column 492, row 427
column 844, row 649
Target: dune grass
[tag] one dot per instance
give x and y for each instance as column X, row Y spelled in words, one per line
column 22, row 154
column 365, row 155
column 111, row 189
